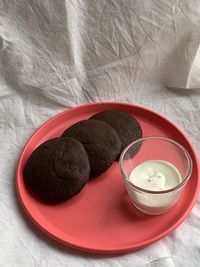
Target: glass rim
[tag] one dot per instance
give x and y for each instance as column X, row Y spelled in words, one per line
column 185, row 179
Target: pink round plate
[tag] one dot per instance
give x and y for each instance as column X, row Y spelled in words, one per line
column 101, row 218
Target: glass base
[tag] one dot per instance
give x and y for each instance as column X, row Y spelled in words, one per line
column 152, row 211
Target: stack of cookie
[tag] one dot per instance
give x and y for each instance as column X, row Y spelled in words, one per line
column 59, row 168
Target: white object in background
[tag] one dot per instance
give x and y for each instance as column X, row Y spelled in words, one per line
column 183, row 67
column 193, row 81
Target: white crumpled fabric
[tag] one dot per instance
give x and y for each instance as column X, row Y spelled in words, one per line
column 59, row 54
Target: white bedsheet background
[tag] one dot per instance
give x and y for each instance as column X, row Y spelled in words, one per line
column 59, row 54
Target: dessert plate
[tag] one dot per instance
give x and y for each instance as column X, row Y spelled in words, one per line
column 101, row 218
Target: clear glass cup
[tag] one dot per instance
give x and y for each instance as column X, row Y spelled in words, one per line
column 155, row 148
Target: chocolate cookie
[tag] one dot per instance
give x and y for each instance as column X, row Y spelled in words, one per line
column 57, row 170
column 100, row 141
column 126, row 126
